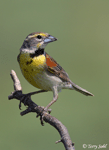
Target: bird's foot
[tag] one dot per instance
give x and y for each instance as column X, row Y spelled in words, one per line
column 26, row 96
column 24, row 99
column 42, row 114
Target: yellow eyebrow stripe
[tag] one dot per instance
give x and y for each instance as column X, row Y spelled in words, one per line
column 42, row 34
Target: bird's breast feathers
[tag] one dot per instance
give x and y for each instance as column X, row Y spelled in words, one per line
column 35, row 71
column 26, row 61
column 30, row 67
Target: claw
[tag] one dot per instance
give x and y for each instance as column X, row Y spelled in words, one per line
column 37, row 115
column 42, row 113
column 49, row 111
column 42, row 121
column 26, row 96
column 20, row 105
column 46, row 110
column 24, row 99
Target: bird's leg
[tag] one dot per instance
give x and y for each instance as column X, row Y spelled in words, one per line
column 26, row 96
column 55, row 97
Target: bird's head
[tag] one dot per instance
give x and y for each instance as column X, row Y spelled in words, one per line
column 37, row 40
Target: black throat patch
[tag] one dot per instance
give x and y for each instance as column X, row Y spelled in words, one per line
column 37, row 53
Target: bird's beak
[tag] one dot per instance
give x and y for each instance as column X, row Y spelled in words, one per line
column 49, row 39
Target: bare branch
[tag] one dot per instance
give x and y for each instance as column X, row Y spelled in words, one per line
column 32, row 107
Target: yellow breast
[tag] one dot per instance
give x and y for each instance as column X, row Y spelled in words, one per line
column 30, row 67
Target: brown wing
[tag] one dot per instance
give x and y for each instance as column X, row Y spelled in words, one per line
column 54, row 68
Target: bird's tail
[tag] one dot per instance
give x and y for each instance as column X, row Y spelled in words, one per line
column 81, row 90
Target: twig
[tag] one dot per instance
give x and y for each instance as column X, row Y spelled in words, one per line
column 32, row 107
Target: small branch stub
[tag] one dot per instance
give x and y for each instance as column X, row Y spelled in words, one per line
column 58, row 141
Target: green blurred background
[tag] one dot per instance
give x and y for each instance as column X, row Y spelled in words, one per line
column 82, row 49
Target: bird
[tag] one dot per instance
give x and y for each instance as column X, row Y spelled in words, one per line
column 41, row 70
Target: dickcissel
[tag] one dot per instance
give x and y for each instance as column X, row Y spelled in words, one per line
column 41, row 70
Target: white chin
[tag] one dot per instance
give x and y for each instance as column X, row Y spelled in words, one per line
column 43, row 46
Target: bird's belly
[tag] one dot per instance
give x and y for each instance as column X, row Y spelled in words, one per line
column 41, row 79
column 46, row 82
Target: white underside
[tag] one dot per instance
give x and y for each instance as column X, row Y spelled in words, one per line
column 47, row 81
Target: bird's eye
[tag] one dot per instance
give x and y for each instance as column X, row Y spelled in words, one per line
column 39, row 37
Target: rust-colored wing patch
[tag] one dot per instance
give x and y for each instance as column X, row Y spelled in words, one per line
column 54, row 68
column 50, row 62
